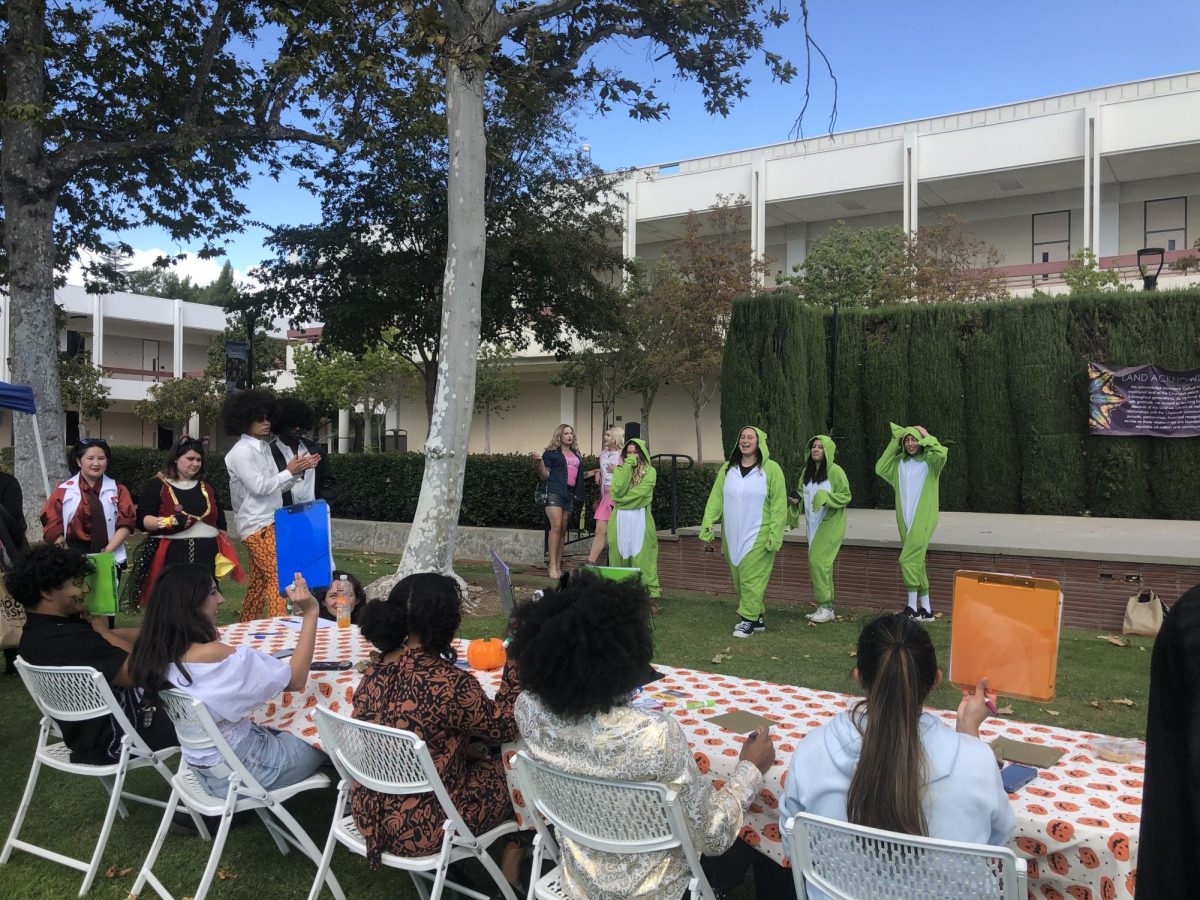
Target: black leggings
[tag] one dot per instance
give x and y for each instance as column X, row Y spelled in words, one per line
column 727, row 872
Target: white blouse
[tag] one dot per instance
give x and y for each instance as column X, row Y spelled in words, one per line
column 256, row 485
column 231, row 690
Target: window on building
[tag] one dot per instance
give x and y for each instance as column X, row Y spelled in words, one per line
column 1052, row 236
column 1166, row 223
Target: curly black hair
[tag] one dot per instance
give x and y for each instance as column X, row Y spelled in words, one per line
column 292, row 412
column 584, row 646
column 242, row 410
column 45, row 567
column 427, row 606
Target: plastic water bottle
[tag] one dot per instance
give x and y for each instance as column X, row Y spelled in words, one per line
column 343, row 605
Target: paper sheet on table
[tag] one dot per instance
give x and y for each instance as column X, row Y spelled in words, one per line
column 294, row 624
column 740, row 721
column 1007, row 628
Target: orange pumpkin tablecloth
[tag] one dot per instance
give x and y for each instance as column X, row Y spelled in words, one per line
column 1077, row 823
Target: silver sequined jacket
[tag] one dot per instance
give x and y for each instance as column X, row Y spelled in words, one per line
column 636, row 745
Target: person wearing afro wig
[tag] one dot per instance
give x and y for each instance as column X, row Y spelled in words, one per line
column 583, row 650
column 256, row 487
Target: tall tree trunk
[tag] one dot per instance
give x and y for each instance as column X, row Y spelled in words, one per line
column 696, row 407
column 430, row 546
column 487, row 429
column 648, row 396
column 368, row 414
column 30, row 197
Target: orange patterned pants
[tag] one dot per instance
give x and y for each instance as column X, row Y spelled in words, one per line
column 263, row 599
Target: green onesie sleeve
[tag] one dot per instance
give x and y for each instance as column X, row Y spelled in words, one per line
column 636, row 496
column 715, row 506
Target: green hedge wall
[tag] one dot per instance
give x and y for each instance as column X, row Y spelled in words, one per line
column 1003, row 385
column 498, row 491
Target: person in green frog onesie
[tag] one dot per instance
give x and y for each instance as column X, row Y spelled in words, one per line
column 749, row 499
column 912, row 464
column 822, row 496
column 632, row 537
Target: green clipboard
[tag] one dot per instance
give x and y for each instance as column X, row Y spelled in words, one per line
column 101, row 597
column 616, row 573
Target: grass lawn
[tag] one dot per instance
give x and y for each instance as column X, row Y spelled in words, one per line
column 692, row 629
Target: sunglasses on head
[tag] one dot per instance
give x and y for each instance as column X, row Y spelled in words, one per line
column 93, row 442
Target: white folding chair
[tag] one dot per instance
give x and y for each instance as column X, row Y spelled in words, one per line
column 853, row 862
column 626, row 817
column 197, row 731
column 392, row 761
column 76, row 694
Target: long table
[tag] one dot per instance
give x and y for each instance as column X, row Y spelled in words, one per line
column 1077, row 823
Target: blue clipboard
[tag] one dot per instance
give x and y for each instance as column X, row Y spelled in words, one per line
column 304, row 544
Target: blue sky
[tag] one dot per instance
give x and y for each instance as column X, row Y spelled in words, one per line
column 894, row 61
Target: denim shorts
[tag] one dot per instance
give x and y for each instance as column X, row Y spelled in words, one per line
column 567, row 503
column 275, row 758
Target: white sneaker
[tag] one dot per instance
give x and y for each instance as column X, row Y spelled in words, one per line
column 822, row 615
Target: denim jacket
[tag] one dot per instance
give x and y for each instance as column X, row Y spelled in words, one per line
column 556, row 462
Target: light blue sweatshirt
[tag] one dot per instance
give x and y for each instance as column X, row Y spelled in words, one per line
column 964, row 799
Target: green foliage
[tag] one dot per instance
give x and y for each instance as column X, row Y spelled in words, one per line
column 1083, row 274
column 81, row 387
column 774, row 376
column 851, row 267
column 383, row 487
column 158, row 281
column 1003, row 385
column 172, row 402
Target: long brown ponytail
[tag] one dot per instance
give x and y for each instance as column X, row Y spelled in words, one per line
column 898, row 667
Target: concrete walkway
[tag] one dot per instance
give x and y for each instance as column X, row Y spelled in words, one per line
column 1157, row 541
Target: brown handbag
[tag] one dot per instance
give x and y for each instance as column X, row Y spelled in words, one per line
column 1144, row 614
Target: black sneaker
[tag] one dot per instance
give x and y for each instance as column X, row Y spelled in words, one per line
column 748, row 627
column 924, row 615
column 910, row 612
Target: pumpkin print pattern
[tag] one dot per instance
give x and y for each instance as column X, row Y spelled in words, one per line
column 1071, row 812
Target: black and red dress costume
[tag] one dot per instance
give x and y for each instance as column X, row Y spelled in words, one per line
column 196, row 536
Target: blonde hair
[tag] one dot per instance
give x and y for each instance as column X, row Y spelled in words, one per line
column 617, row 441
column 639, row 471
column 556, row 441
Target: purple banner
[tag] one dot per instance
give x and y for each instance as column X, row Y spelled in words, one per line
column 1144, row 400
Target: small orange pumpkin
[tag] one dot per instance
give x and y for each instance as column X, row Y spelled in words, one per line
column 486, row 653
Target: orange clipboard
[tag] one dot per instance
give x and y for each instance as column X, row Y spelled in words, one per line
column 1007, row 628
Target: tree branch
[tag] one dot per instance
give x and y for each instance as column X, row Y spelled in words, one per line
column 538, row 12
column 212, row 43
column 65, row 163
column 809, row 46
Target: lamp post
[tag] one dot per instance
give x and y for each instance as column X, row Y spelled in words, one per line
column 1150, row 282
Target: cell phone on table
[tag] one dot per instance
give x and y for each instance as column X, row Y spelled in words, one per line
column 330, row 666
column 284, row 654
column 1015, row 776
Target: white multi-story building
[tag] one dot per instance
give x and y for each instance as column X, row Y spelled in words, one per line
column 1112, row 169
column 136, row 341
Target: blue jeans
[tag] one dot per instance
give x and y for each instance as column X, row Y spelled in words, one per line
column 275, row 758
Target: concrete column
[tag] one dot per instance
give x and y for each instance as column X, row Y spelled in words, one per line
column 98, row 329
column 1109, row 222
column 566, row 405
column 629, row 238
column 343, row 442
column 758, row 209
column 177, row 341
column 1097, row 231
column 1089, row 125
column 911, row 184
column 796, row 236
column 193, row 425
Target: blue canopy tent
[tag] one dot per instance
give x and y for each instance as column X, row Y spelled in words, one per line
column 19, row 398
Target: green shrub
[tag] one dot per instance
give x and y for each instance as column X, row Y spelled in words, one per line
column 1002, row 385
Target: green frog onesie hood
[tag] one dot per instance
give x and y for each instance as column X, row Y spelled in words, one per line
column 823, row 505
column 915, row 482
column 632, row 536
column 752, row 510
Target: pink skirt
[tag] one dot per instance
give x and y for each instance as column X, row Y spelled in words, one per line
column 604, row 509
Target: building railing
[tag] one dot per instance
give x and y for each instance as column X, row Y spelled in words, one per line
column 1047, row 276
